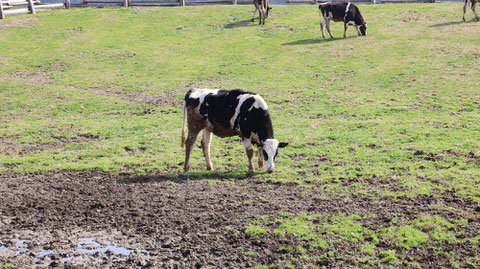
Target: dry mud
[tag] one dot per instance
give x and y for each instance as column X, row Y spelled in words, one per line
column 97, row 219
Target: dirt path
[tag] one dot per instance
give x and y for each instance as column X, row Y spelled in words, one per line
column 95, row 218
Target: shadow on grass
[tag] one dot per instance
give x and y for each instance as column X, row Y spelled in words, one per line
column 451, row 23
column 184, row 177
column 310, row 41
column 238, row 24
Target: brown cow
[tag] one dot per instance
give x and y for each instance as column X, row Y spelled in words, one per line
column 474, row 6
column 263, row 9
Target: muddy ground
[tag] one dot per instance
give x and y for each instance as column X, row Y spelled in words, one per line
column 97, row 219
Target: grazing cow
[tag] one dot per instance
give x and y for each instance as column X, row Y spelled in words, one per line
column 474, row 6
column 263, row 9
column 346, row 12
column 229, row 113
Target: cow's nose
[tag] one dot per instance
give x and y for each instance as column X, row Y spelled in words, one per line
column 270, row 169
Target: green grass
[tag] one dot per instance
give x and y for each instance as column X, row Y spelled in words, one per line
column 390, row 116
column 344, row 237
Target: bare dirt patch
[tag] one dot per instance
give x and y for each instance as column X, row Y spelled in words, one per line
column 18, row 22
column 32, row 76
column 417, row 17
column 9, row 146
column 167, row 221
column 166, row 98
column 154, row 99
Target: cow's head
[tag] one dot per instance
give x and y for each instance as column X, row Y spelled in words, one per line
column 363, row 28
column 270, row 151
column 268, row 9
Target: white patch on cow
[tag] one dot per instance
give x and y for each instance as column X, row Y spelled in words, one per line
column 270, row 146
column 201, row 94
column 247, row 143
column 346, row 11
column 259, row 103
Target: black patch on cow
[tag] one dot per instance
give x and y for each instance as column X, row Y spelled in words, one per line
column 191, row 102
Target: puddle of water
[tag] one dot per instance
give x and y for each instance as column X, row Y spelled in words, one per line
column 86, row 245
column 20, row 245
column 44, row 252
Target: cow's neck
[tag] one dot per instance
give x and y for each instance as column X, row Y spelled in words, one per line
column 359, row 21
column 266, row 130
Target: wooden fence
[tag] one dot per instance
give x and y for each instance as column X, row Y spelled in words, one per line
column 127, row 3
column 13, row 7
column 315, row 2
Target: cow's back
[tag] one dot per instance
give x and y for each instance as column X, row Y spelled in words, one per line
column 337, row 10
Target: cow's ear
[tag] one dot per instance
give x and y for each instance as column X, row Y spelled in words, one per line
column 282, row 144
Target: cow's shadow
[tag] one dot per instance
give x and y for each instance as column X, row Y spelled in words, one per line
column 185, row 177
column 312, row 41
column 238, row 24
column 452, row 23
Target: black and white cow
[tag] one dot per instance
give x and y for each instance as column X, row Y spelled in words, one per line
column 474, row 6
column 229, row 113
column 346, row 12
column 263, row 9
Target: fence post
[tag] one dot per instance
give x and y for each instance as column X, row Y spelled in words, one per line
column 2, row 16
column 67, row 4
column 234, row 2
column 182, row 3
column 125, row 3
column 315, row 2
column 30, row 6
column 377, row 1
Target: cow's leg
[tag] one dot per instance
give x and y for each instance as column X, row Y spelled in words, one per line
column 192, row 136
column 254, row 12
column 327, row 24
column 249, row 148
column 345, row 26
column 358, row 31
column 261, row 13
column 250, row 157
column 322, row 25
column 465, row 9
column 474, row 6
column 206, row 139
column 260, row 158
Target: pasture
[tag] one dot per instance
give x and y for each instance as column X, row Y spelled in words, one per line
column 382, row 170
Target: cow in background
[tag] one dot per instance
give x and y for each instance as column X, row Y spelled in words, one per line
column 263, row 9
column 474, row 6
column 346, row 12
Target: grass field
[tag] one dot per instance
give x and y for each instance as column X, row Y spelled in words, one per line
column 391, row 118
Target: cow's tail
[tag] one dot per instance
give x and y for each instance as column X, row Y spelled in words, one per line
column 184, row 121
